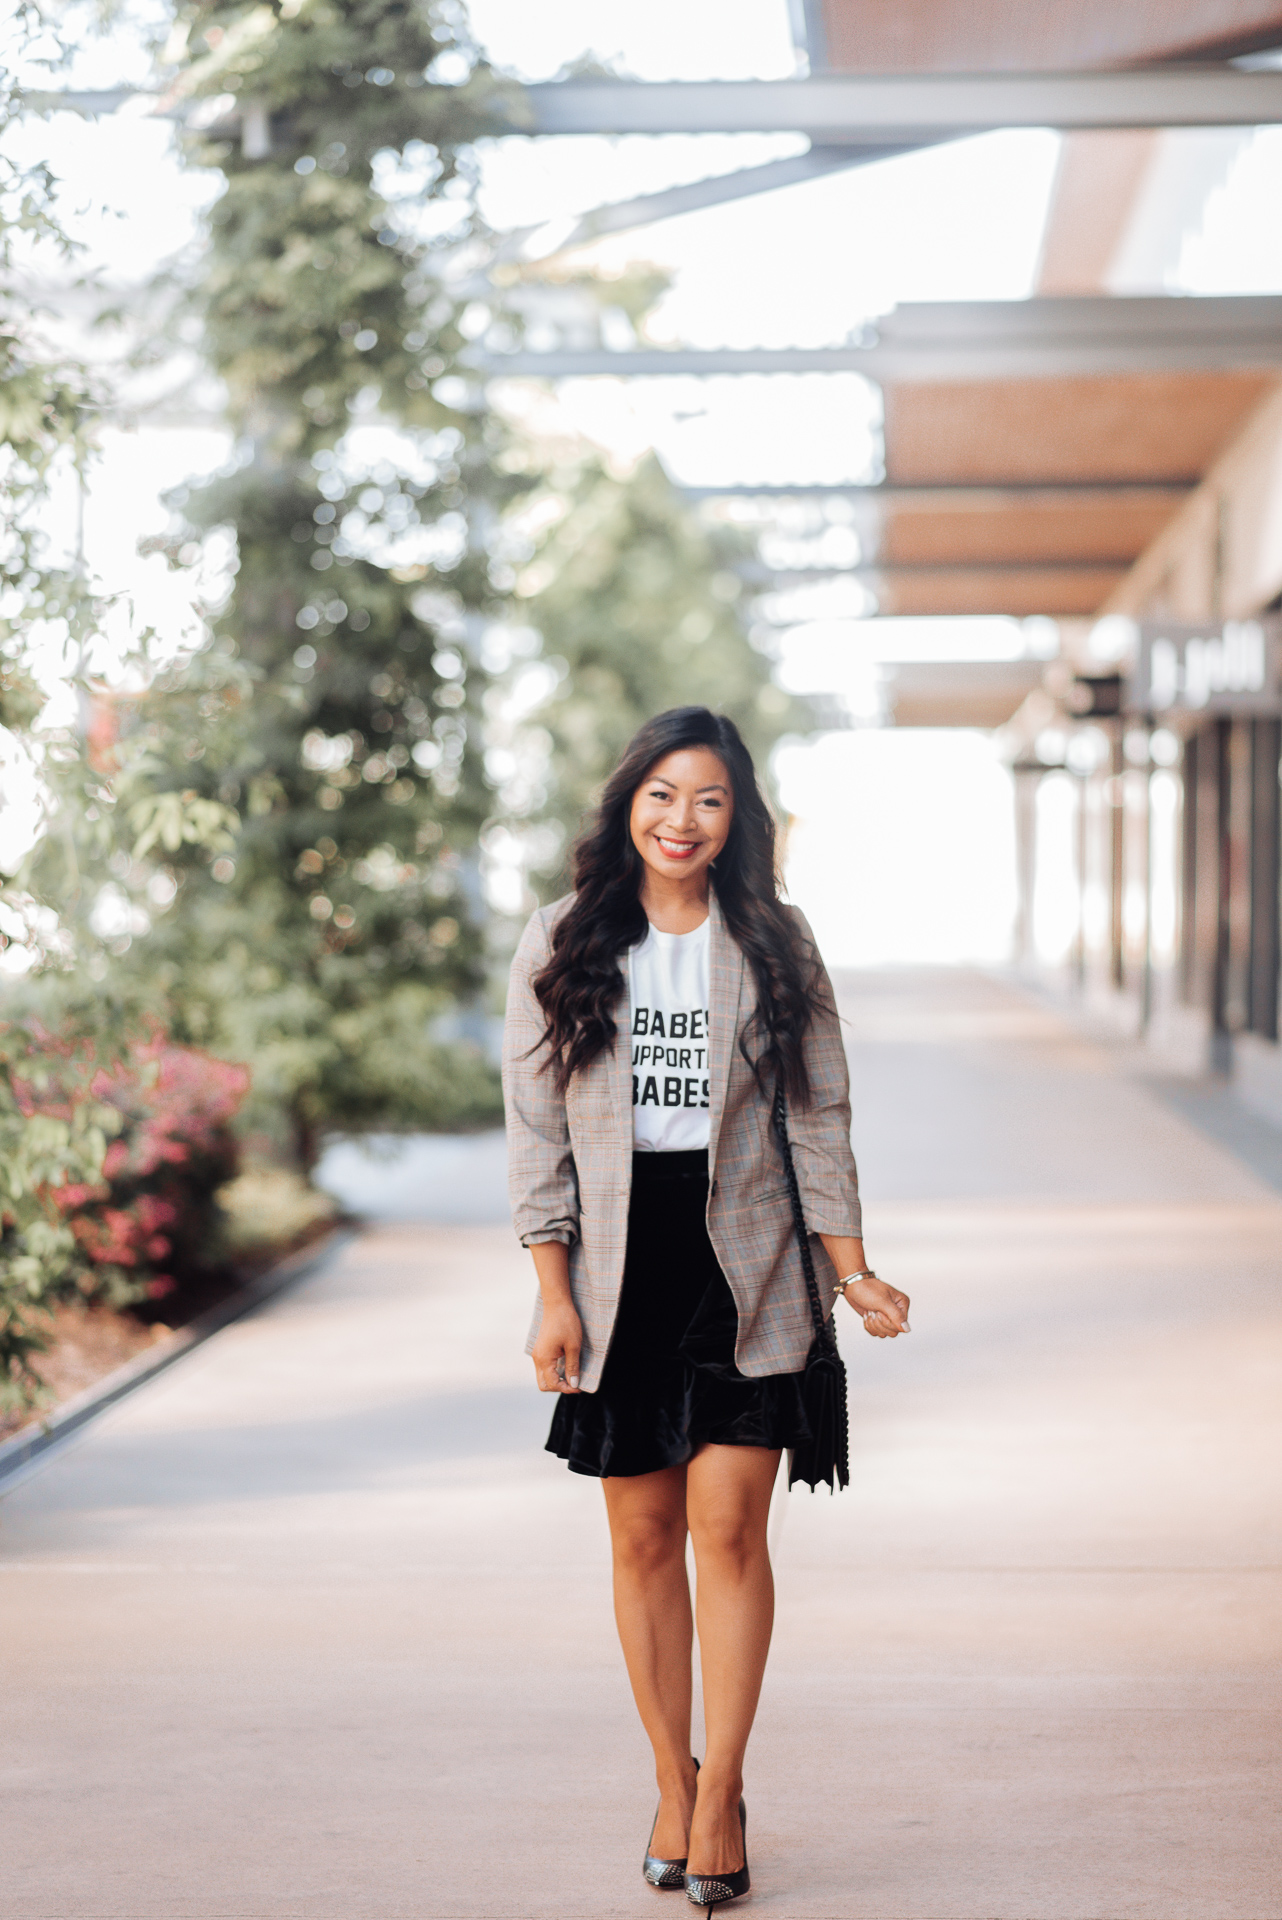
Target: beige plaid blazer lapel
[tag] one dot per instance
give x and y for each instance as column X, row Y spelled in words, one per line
column 619, row 1084
column 725, row 988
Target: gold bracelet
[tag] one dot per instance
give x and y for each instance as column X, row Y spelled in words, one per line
column 865, row 1273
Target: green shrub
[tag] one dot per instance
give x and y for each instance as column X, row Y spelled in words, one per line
column 109, row 1195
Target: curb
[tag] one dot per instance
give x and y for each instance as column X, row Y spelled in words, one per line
column 32, row 1448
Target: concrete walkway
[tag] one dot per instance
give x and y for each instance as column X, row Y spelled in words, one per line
column 311, row 1627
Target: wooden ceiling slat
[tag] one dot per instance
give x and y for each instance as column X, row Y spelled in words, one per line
column 1162, row 426
column 1117, row 530
column 1057, row 592
column 995, row 36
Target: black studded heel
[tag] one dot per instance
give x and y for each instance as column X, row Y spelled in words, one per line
column 714, row 1889
column 669, row 1876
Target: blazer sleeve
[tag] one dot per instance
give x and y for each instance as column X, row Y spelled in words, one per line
column 542, row 1180
column 820, row 1135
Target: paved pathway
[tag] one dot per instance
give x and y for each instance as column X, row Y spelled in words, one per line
column 311, row 1627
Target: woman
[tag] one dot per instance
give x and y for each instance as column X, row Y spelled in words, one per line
column 652, row 1014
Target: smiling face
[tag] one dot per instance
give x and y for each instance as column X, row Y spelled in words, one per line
column 682, row 814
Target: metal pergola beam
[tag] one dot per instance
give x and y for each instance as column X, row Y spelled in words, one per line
column 1084, row 316
column 768, row 580
column 892, row 365
column 990, row 494
column 975, row 340
column 622, row 216
column 906, row 109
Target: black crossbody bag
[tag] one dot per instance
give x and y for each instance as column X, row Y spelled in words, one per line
column 823, row 1459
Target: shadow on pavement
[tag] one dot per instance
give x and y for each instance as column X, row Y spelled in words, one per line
column 335, row 1451
column 1215, row 1110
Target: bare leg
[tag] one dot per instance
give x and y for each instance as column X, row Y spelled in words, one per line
column 647, row 1514
column 728, row 1502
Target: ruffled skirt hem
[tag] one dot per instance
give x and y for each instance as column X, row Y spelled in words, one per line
column 595, row 1434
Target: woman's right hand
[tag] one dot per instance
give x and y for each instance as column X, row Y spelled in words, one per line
column 556, row 1349
column 559, row 1341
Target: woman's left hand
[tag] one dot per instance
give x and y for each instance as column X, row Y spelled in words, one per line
column 884, row 1309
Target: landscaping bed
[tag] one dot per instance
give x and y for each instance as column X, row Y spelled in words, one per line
column 266, row 1213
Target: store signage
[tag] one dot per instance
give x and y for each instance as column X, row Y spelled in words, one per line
column 1229, row 667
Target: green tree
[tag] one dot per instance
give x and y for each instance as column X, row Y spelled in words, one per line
column 639, row 606
column 337, row 703
column 53, row 1131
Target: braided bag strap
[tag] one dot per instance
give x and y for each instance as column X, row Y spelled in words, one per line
column 823, row 1327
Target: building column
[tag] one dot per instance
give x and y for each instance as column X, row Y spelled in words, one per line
column 1146, row 996
column 1082, row 825
column 1189, row 824
column 1266, row 857
column 1028, row 775
column 1117, row 858
column 1221, row 984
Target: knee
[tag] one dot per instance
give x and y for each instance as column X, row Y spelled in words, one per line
column 645, row 1545
column 732, row 1540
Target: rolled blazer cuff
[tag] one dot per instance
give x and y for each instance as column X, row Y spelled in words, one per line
column 539, row 1236
column 826, row 1171
column 847, row 1226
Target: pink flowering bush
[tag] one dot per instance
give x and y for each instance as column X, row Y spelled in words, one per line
column 150, row 1223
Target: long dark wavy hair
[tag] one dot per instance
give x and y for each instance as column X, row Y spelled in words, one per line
column 580, row 987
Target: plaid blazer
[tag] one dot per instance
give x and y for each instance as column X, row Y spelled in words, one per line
column 570, row 1159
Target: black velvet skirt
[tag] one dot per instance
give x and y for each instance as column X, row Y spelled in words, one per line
column 670, row 1382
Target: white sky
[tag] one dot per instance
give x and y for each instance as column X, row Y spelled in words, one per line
column 660, row 40
column 929, row 873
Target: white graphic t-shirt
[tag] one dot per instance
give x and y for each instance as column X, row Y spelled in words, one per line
column 668, row 993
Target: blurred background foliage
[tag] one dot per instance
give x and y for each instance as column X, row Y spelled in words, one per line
column 639, row 607
column 266, row 904
column 336, row 705
column 53, row 1130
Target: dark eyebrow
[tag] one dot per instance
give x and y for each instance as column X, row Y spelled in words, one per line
column 713, row 786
